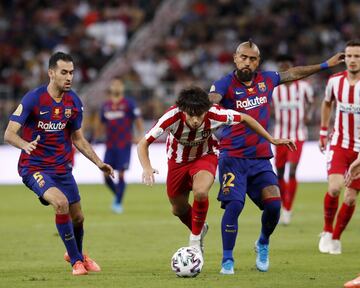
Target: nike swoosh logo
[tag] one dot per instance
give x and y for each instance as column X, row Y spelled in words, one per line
column 239, row 92
column 44, row 112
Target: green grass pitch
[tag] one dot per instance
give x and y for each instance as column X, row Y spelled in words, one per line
column 134, row 249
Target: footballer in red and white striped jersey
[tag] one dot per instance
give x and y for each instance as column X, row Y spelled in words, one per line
column 347, row 120
column 185, row 144
column 290, row 102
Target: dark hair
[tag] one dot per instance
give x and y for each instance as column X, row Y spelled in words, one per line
column 59, row 56
column 353, row 42
column 194, row 101
column 285, row 58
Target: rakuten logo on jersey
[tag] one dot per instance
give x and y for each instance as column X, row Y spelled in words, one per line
column 51, row 126
column 249, row 104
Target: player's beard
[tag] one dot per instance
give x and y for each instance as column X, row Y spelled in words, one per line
column 244, row 75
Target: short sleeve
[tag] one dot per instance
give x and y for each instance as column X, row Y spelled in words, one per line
column 163, row 124
column 221, row 86
column 76, row 122
column 274, row 76
column 24, row 109
column 329, row 91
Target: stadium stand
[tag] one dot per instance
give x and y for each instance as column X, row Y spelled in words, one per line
column 160, row 46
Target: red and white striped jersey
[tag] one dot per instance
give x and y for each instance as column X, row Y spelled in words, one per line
column 347, row 119
column 185, row 144
column 289, row 105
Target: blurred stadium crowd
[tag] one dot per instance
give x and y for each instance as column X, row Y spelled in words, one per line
column 198, row 49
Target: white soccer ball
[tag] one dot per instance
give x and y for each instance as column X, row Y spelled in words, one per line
column 187, row 262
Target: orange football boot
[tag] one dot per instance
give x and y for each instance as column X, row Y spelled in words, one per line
column 79, row 269
column 355, row 283
column 89, row 264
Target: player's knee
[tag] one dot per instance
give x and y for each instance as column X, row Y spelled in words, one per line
column 78, row 219
column 292, row 173
column 350, row 199
column 179, row 210
column 334, row 190
column 61, row 205
column 235, row 207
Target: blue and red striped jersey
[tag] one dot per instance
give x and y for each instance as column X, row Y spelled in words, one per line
column 239, row 140
column 40, row 114
column 119, row 119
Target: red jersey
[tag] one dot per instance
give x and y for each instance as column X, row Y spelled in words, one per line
column 347, row 119
column 289, row 106
column 185, row 144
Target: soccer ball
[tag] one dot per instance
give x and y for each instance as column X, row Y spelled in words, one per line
column 187, row 262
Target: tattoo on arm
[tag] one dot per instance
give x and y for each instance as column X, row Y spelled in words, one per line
column 298, row 72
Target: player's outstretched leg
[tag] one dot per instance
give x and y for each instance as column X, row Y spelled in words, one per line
column 270, row 218
column 229, row 229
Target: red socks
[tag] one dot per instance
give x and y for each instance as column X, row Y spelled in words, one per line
column 330, row 208
column 288, row 191
column 199, row 211
column 342, row 219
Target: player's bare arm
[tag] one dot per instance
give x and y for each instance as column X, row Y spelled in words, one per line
column 215, row 97
column 326, row 108
column 143, row 154
column 85, row 148
column 254, row 125
column 11, row 136
column 299, row 72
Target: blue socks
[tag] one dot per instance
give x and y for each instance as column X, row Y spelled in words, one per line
column 229, row 228
column 269, row 219
column 66, row 232
column 117, row 189
column 110, row 183
column 120, row 190
column 79, row 234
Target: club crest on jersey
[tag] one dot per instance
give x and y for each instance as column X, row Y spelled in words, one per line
column 67, row 112
column 206, row 133
column 262, row 86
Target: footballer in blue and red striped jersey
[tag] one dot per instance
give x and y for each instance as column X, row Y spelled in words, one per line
column 49, row 118
column 191, row 150
column 244, row 162
column 240, row 141
column 53, row 122
column 120, row 115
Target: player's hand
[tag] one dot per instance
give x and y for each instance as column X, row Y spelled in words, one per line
column 323, row 143
column 353, row 172
column 148, row 176
column 29, row 147
column 337, row 59
column 289, row 143
column 107, row 169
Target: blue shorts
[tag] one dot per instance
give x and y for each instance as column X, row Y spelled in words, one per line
column 119, row 159
column 239, row 176
column 40, row 182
